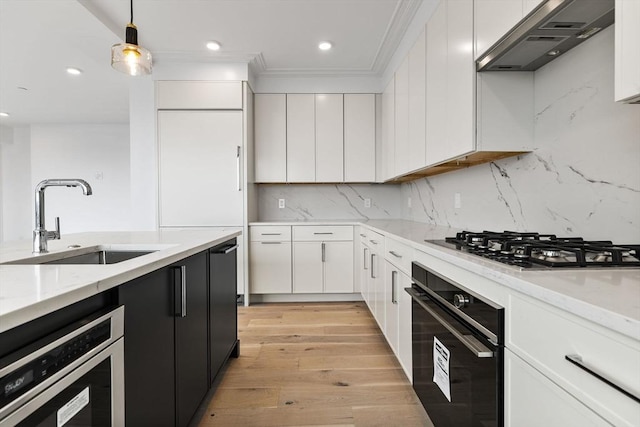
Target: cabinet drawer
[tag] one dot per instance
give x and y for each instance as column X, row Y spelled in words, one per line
column 270, row 233
column 322, row 232
column 363, row 235
column 375, row 242
column 544, row 335
column 222, row 95
column 398, row 254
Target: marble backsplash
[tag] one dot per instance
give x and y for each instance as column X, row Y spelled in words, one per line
column 584, row 178
column 323, row 201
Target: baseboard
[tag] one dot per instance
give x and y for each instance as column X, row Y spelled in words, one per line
column 262, row 298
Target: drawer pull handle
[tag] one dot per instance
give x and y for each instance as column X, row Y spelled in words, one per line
column 271, row 234
column 323, row 233
column 270, row 243
column 395, row 254
column 374, row 242
column 363, row 235
column 576, row 359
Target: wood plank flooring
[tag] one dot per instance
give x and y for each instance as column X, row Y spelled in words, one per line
column 313, row 364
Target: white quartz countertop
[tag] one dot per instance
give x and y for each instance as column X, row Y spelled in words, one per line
column 28, row 291
column 609, row 297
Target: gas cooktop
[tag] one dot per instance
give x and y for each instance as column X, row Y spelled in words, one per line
column 543, row 251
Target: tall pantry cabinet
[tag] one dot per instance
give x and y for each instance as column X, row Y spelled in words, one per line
column 202, row 132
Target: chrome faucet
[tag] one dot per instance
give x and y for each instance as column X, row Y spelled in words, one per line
column 40, row 235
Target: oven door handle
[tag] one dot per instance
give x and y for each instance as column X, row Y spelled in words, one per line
column 469, row 341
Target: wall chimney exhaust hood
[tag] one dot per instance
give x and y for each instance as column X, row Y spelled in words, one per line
column 550, row 30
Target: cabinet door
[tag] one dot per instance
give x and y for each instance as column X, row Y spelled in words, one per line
column 148, row 355
column 528, row 392
column 388, row 131
column 329, row 138
column 359, row 138
column 270, row 267
column 270, row 137
column 460, row 106
column 301, row 138
column 338, row 267
column 492, row 20
column 363, row 257
column 417, row 103
column 200, row 168
column 436, row 64
column 223, row 317
column 191, row 335
column 402, row 118
column 378, row 284
column 391, row 306
column 222, row 95
column 307, row 267
column 627, row 50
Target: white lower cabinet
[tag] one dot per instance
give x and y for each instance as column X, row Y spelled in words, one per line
column 543, row 337
column 270, row 260
column 532, row 400
column 322, row 259
column 391, row 306
column 405, row 346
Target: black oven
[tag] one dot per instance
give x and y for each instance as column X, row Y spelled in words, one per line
column 457, row 352
column 74, row 377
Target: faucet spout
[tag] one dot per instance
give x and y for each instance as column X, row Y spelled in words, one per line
column 40, row 235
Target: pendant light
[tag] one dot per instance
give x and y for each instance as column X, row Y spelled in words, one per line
column 128, row 57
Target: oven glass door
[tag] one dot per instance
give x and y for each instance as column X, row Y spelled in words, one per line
column 90, row 395
column 474, row 376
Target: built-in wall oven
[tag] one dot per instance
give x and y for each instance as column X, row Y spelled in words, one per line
column 73, row 377
column 457, row 352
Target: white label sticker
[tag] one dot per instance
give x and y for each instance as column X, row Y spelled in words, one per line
column 72, row 407
column 441, row 357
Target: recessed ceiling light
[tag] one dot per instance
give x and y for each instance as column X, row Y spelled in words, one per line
column 3, row 114
column 325, row 45
column 213, row 45
column 74, row 71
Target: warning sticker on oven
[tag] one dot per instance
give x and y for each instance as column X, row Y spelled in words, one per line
column 71, row 408
column 441, row 357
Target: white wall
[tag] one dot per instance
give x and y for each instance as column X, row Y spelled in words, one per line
column 97, row 153
column 15, row 180
column 584, row 179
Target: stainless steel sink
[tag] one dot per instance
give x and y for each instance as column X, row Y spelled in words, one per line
column 99, row 257
column 95, row 255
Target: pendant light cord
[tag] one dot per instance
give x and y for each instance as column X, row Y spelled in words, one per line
column 131, row 3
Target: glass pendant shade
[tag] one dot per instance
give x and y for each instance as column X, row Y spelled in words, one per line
column 128, row 57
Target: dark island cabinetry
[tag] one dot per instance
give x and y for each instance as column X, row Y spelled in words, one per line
column 169, row 342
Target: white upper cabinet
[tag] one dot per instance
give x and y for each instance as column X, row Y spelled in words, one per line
column 388, row 131
column 329, row 138
column 270, row 137
column 199, row 95
column 460, row 80
column 402, row 118
column 627, row 51
column 301, row 138
column 324, row 138
column 493, row 18
column 359, row 138
column 417, row 103
column 436, row 65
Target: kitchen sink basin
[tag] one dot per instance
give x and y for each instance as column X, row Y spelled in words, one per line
column 99, row 257
column 95, row 255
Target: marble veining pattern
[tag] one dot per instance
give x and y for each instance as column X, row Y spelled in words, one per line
column 321, row 201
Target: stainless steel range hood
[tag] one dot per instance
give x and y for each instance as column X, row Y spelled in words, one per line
column 550, row 30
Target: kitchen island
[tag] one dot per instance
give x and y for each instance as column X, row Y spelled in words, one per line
column 178, row 291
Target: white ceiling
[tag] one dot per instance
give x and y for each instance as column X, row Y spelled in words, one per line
column 39, row 39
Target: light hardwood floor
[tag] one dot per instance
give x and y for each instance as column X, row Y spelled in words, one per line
column 313, row 364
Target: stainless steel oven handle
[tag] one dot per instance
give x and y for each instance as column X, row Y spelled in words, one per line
column 577, row 360
column 469, row 341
